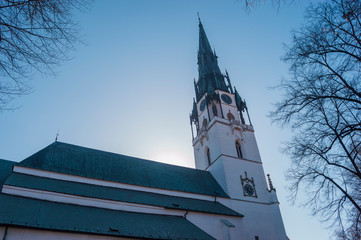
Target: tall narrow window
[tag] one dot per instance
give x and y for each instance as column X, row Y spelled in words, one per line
column 204, row 124
column 208, row 156
column 239, row 151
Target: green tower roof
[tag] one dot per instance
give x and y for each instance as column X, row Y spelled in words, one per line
column 210, row 76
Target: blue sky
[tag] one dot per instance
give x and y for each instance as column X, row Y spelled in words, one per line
column 129, row 89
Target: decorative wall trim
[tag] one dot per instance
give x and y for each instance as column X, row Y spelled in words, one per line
column 225, row 155
column 226, row 122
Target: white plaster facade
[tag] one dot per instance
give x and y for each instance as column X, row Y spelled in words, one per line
column 14, row 233
column 219, row 136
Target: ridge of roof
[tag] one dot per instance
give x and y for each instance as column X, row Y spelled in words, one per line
column 118, row 194
column 40, row 214
column 87, row 162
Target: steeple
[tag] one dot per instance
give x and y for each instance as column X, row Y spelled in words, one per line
column 215, row 96
column 210, row 76
column 225, row 145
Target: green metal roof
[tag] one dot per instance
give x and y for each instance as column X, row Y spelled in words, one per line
column 26, row 212
column 116, row 194
column 70, row 159
column 6, row 168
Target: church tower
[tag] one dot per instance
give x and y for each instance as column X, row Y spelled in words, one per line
column 225, row 145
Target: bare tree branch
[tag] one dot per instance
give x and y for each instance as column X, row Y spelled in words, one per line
column 35, row 35
column 322, row 103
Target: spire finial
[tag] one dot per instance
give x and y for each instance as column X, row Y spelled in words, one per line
column 56, row 136
column 199, row 18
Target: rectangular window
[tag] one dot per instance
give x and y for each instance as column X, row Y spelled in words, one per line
column 239, row 151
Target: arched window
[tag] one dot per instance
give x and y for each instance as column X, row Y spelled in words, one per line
column 208, row 153
column 239, row 150
column 204, row 124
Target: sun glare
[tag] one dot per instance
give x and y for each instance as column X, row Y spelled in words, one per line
column 171, row 157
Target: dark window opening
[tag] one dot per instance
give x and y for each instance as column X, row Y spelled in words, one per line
column 208, row 156
column 239, row 151
column 204, row 124
column 214, row 108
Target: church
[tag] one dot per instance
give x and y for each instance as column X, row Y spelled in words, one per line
column 66, row 191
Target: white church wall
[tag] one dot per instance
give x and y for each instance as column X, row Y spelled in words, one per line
column 221, row 138
column 262, row 214
column 222, row 134
column 214, row 144
column 227, row 139
column 32, row 234
column 202, row 143
column 218, row 172
column 260, row 220
column 235, row 168
column 261, row 211
column 250, row 146
column 214, row 225
column 200, row 155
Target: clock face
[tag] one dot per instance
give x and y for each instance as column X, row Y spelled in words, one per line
column 227, row 99
column 203, row 105
column 248, row 189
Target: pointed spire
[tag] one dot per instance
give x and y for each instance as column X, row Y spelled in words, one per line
column 204, row 46
column 210, row 76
